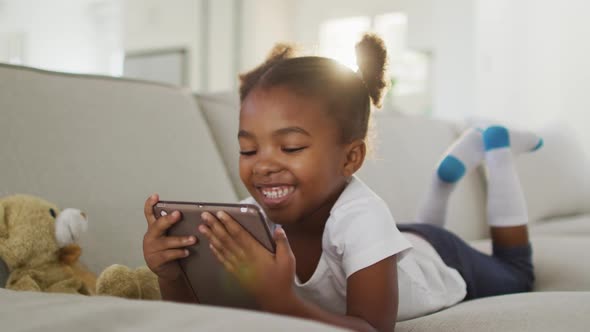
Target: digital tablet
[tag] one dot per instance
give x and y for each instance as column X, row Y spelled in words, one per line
column 208, row 279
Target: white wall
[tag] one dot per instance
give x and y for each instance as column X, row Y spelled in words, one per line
column 573, row 67
column 89, row 36
column 518, row 53
column 453, row 56
column 66, row 35
column 265, row 22
column 522, row 62
column 443, row 29
column 309, row 14
column 519, row 61
column 222, row 63
column 532, row 62
column 150, row 25
column 223, row 37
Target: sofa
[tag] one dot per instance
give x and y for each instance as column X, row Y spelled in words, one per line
column 104, row 144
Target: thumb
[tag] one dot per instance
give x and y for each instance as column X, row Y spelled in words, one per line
column 283, row 249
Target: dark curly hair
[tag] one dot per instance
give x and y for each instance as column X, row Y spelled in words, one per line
column 348, row 95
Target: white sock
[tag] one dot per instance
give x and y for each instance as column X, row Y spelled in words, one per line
column 461, row 157
column 433, row 208
column 521, row 141
column 506, row 204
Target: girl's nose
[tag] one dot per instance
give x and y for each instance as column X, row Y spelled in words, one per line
column 266, row 167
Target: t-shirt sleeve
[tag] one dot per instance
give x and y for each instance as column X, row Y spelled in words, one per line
column 364, row 234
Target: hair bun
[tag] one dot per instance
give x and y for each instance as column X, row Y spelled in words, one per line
column 281, row 51
column 371, row 56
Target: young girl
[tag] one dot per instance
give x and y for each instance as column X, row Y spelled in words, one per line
column 303, row 126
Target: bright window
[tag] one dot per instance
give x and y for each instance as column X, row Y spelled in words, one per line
column 337, row 38
column 408, row 69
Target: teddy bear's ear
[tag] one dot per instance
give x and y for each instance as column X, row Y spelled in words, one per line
column 3, row 227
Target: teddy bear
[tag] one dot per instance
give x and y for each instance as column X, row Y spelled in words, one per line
column 39, row 252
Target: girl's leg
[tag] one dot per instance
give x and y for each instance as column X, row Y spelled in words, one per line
column 509, row 269
column 506, row 271
column 465, row 154
column 506, row 207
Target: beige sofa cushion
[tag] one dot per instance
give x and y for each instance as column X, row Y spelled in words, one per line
column 31, row 311
column 222, row 110
column 103, row 145
column 560, row 262
column 556, row 178
column 578, row 225
column 527, row 312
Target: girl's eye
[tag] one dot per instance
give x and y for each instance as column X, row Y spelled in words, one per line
column 248, row 153
column 293, row 150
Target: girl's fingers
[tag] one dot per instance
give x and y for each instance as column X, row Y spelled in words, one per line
column 222, row 242
column 227, row 253
column 213, row 240
column 162, row 257
column 148, row 208
column 161, row 225
column 174, row 242
column 235, row 230
column 218, row 230
column 221, row 258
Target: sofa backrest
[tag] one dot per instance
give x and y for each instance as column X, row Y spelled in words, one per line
column 407, row 148
column 401, row 166
column 406, row 151
column 221, row 112
column 104, row 145
column 556, row 178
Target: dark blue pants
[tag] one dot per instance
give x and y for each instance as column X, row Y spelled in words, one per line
column 507, row 270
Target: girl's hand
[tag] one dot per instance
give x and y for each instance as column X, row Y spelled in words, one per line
column 161, row 252
column 269, row 277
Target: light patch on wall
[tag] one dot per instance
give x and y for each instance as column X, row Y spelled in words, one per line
column 408, row 69
column 337, row 38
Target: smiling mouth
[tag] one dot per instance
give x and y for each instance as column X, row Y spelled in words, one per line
column 275, row 194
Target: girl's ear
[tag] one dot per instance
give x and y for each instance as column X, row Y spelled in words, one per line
column 355, row 156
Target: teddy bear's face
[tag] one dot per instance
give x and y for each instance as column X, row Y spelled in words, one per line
column 32, row 230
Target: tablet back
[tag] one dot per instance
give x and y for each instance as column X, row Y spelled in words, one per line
column 210, row 282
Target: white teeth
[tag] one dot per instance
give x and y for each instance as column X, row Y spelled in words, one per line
column 277, row 192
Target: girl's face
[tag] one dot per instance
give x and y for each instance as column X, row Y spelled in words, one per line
column 291, row 155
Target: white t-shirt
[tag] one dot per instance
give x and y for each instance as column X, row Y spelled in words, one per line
column 360, row 232
column 426, row 284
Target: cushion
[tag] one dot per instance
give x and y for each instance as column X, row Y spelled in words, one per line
column 534, row 312
column 578, row 225
column 103, row 145
column 221, row 110
column 558, row 263
column 556, row 178
column 69, row 313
